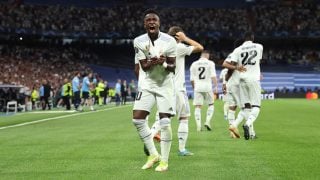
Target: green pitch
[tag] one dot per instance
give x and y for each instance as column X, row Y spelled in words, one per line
column 105, row 145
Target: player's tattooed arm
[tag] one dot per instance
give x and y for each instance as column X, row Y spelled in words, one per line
column 229, row 74
column 147, row 65
column 233, row 66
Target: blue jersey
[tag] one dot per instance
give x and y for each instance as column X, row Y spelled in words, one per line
column 75, row 84
column 85, row 84
column 94, row 81
column 41, row 91
column 118, row 88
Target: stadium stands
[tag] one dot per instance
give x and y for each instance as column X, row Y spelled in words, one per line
column 267, row 19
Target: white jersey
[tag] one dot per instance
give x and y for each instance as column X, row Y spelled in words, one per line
column 223, row 74
column 235, row 77
column 142, row 75
column 182, row 51
column 201, row 72
column 249, row 55
column 144, row 49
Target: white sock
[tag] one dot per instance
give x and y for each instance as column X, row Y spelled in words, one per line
column 246, row 114
column 231, row 116
column 225, row 110
column 166, row 138
column 155, row 128
column 91, row 107
column 240, row 117
column 183, row 131
column 210, row 112
column 251, row 130
column 145, row 134
column 253, row 116
column 197, row 116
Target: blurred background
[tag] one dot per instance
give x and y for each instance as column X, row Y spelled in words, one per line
column 52, row 39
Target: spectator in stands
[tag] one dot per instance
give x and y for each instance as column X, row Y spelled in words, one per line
column 264, row 18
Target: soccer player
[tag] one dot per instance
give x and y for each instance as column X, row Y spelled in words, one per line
column 76, row 87
column 222, row 78
column 156, row 53
column 182, row 103
column 233, row 95
column 249, row 55
column 202, row 75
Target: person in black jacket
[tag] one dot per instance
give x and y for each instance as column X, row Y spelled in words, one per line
column 46, row 95
column 106, row 93
column 124, row 92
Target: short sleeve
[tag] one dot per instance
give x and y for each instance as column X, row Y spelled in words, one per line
column 172, row 48
column 232, row 57
column 184, row 50
column 87, row 81
column 139, row 55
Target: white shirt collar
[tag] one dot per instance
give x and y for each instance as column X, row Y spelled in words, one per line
column 247, row 42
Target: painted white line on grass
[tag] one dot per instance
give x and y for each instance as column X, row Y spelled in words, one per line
column 60, row 117
column 51, row 112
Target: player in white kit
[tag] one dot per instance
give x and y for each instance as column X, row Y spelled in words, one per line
column 202, row 75
column 182, row 103
column 249, row 55
column 156, row 53
column 222, row 79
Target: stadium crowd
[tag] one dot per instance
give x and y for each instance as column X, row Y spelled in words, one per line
column 29, row 65
column 124, row 21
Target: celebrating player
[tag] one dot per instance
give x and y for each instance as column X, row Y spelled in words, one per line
column 202, row 74
column 182, row 103
column 249, row 55
column 156, row 53
column 233, row 94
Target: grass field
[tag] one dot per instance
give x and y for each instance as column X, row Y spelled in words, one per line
column 105, row 145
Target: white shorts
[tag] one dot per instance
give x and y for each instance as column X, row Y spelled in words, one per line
column 233, row 95
column 225, row 98
column 250, row 92
column 182, row 104
column 164, row 97
column 200, row 97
